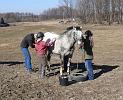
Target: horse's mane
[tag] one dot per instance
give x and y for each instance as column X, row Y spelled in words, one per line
column 71, row 28
column 64, row 32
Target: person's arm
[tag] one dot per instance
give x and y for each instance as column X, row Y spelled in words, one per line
column 31, row 43
column 91, row 41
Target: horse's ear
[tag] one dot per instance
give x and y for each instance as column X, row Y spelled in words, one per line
column 78, row 28
column 70, row 28
column 74, row 28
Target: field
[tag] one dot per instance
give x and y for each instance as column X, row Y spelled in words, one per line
column 17, row 84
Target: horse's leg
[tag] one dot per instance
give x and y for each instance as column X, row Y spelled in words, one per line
column 48, row 61
column 61, row 70
column 66, row 60
column 69, row 60
column 62, row 64
column 68, row 65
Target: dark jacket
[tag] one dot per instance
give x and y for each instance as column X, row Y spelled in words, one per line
column 88, row 48
column 27, row 41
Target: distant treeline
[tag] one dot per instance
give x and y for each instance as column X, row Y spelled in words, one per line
column 87, row 11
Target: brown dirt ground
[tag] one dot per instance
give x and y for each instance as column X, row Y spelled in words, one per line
column 17, row 84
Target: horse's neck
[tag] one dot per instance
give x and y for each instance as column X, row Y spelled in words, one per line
column 67, row 39
column 72, row 36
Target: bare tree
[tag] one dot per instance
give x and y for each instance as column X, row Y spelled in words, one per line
column 88, row 11
column 68, row 8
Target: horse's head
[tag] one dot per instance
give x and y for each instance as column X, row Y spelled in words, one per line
column 76, row 32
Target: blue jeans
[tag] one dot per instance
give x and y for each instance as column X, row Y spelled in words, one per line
column 27, row 58
column 89, row 67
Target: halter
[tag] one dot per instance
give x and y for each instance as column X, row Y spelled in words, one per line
column 75, row 34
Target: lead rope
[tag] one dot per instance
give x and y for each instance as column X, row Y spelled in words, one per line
column 82, row 52
column 77, row 57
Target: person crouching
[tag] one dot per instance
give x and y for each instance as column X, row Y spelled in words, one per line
column 41, row 48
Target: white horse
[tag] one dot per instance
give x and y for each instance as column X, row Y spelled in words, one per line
column 64, row 44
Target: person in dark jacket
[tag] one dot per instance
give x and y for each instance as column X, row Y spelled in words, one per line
column 88, row 53
column 27, row 41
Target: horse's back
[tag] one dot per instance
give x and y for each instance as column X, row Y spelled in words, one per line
column 50, row 36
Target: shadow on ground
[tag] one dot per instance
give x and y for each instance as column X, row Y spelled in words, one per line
column 103, row 69
column 80, row 69
column 98, row 69
column 10, row 63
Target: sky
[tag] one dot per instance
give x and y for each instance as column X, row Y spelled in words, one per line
column 33, row 6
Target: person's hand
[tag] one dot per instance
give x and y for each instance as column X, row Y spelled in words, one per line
column 81, row 46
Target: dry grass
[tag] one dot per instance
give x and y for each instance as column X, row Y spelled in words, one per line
column 17, row 84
